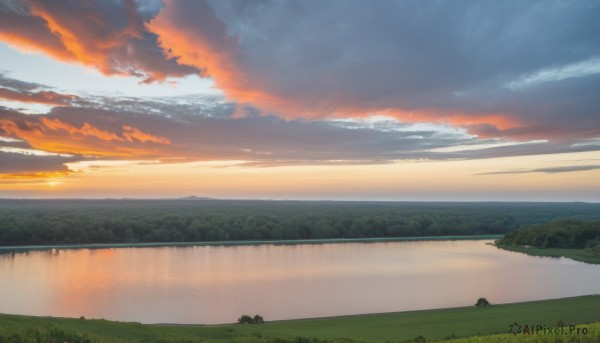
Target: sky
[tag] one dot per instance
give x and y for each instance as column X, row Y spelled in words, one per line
column 340, row 100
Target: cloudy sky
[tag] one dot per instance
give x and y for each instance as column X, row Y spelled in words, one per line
column 354, row 100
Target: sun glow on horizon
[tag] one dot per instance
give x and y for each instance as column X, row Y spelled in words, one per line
column 402, row 180
column 168, row 100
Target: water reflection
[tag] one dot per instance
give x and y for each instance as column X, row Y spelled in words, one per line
column 216, row 284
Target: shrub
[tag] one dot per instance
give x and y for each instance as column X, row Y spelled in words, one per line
column 482, row 302
column 246, row 319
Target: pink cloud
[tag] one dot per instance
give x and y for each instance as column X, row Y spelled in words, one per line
column 109, row 37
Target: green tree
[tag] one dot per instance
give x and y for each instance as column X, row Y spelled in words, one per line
column 482, row 302
column 245, row 319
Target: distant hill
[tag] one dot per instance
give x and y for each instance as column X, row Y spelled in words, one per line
column 193, row 197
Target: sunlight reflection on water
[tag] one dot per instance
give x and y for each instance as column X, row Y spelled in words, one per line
column 216, row 284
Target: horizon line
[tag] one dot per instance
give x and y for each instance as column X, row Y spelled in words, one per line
column 202, row 198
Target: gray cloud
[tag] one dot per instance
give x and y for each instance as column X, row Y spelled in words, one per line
column 17, row 163
column 442, row 56
column 20, row 86
column 549, row 170
column 439, row 59
column 204, row 129
column 195, row 128
column 16, row 90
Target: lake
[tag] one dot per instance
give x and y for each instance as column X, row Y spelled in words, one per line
column 217, row 284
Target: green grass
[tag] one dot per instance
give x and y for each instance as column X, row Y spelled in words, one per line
column 580, row 255
column 565, row 335
column 389, row 327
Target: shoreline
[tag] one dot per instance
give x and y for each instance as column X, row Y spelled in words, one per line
column 471, row 323
column 578, row 255
column 343, row 316
column 362, row 315
column 19, row 248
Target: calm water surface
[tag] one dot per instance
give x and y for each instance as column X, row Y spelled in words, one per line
column 212, row 284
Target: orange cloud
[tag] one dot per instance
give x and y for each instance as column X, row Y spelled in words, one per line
column 209, row 52
column 485, row 125
column 72, row 35
column 30, row 33
column 198, row 38
column 132, row 134
column 56, row 135
column 40, row 175
column 110, row 38
column 85, row 130
column 465, row 120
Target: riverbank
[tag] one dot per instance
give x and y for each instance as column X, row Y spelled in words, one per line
column 4, row 249
column 403, row 326
column 580, row 255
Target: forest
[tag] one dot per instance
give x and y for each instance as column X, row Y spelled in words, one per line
column 560, row 234
column 62, row 221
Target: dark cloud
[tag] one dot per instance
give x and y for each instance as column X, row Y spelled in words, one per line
column 549, row 170
column 190, row 132
column 41, row 97
column 202, row 129
column 171, row 107
column 314, row 58
column 17, row 90
column 286, row 163
column 518, row 69
column 19, row 163
column 18, row 85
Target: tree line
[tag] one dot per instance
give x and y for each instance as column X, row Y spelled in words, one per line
column 32, row 222
column 560, row 234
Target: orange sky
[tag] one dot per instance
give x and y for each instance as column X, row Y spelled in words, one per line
column 119, row 100
column 408, row 180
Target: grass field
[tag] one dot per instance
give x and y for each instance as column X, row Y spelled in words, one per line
column 389, row 327
column 575, row 254
column 592, row 335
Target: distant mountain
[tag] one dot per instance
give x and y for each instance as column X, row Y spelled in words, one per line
column 193, row 197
